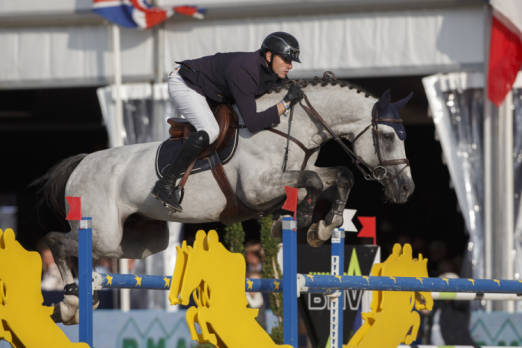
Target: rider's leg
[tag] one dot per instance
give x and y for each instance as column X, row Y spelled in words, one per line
column 195, row 109
column 193, row 106
column 165, row 188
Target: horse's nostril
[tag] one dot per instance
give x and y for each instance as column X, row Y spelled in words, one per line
column 405, row 188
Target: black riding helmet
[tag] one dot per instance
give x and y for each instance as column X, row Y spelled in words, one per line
column 283, row 44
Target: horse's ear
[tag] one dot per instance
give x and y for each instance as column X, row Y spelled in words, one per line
column 384, row 101
column 400, row 104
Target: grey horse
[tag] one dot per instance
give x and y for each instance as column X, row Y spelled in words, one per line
column 114, row 184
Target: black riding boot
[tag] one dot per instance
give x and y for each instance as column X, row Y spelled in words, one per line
column 164, row 189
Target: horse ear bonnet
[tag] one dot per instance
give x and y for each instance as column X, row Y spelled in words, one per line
column 386, row 109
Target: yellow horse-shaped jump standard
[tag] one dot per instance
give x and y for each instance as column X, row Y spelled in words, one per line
column 392, row 316
column 20, row 272
column 216, row 278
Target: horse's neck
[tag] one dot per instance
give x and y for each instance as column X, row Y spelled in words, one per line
column 345, row 118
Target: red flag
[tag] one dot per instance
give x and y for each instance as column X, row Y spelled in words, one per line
column 505, row 59
column 75, row 203
column 505, row 51
column 369, row 228
column 291, row 199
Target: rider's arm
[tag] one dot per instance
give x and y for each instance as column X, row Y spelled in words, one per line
column 243, row 88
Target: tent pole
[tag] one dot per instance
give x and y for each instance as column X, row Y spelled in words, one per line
column 488, row 159
column 124, row 263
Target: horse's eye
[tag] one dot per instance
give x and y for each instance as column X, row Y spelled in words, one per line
column 388, row 137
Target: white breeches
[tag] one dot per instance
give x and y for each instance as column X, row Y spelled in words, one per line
column 192, row 105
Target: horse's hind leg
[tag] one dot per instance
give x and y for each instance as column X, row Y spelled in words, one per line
column 95, row 298
column 343, row 179
column 63, row 246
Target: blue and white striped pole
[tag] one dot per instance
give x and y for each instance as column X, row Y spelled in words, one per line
column 85, row 279
column 454, row 289
column 337, row 303
column 290, row 292
column 331, row 284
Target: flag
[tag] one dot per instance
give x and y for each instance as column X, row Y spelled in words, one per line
column 139, row 14
column 348, row 225
column 191, row 11
column 75, row 213
column 291, row 199
column 505, row 51
column 369, row 228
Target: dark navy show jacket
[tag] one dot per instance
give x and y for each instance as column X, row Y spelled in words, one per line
column 238, row 77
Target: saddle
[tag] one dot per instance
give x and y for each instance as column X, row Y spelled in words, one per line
column 225, row 117
column 227, row 120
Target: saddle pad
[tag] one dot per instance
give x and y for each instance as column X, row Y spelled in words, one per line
column 168, row 149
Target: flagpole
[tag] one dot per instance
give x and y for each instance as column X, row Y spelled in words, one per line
column 488, row 160
column 117, row 82
column 124, row 263
column 508, row 204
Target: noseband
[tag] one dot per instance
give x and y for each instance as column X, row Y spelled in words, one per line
column 377, row 173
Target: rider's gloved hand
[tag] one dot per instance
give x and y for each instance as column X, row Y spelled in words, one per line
column 294, row 95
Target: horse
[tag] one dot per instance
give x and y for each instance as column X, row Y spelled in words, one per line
column 127, row 222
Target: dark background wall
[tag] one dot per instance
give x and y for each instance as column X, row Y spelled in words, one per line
column 38, row 128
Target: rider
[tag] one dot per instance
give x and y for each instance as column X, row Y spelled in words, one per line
column 238, row 77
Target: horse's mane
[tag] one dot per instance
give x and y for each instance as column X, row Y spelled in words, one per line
column 327, row 79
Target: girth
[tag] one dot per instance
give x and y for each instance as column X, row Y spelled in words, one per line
column 308, row 152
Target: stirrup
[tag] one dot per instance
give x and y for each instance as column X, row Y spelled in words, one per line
column 168, row 204
column 181, row 194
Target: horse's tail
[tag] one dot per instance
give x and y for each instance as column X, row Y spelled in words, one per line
column 52, row 190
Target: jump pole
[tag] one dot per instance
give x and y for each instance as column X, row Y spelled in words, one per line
column 337, row 299
column 290, row 292
column 455, row 289
column 85, row 273
column 85, row 279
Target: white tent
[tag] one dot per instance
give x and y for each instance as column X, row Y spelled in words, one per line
column 65, row 44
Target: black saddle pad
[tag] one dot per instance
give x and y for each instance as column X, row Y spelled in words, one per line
column 168, row 149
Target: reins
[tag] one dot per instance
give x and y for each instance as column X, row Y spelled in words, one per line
column 356, row 160
column 377, row 173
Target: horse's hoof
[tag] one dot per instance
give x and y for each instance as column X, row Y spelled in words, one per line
column 74, row 320
column 68, row 308
column 95, row 299
column 57, row 314
column 313, row 236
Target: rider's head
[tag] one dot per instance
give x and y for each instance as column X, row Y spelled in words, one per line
column 279, row 50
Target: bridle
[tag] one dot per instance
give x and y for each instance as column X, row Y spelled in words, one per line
column 376, row 144
column 372, row 173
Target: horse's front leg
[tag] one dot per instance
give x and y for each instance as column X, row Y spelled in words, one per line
column 308, row 180
column 343, row 179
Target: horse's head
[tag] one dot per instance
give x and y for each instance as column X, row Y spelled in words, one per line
column 189, row 273
column 379, row 142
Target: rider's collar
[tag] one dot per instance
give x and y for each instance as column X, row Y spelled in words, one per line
column 390, row 111
column 267, row 78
